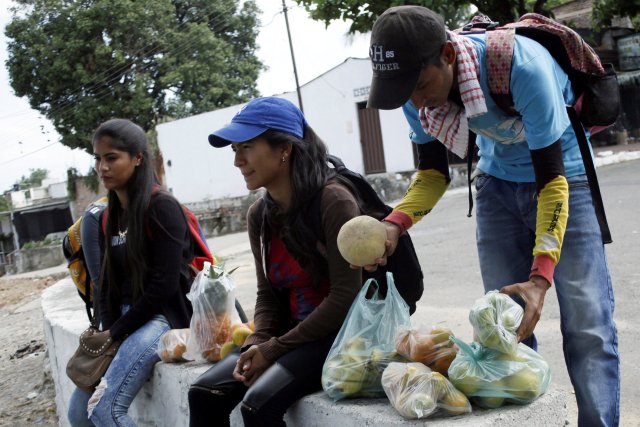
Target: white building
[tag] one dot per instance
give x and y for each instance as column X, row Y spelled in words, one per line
column 367, row 140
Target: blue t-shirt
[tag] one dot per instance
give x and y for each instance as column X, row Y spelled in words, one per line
column 540, row 90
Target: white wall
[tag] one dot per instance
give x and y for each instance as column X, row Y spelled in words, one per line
column 200, row 172
column 5, row 224
column 58, row 190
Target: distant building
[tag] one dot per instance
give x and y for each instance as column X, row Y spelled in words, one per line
column 617, row 44
column 367, row 140
column 39, row 211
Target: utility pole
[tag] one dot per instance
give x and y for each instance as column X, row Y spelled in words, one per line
column 293, row 58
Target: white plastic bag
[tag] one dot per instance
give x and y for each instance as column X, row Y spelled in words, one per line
column 415, row 391
column 173, row 345
column 365, row 344
column 213, row 299
column 491, row 378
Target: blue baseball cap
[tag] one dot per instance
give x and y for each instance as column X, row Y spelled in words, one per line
column 258, row 116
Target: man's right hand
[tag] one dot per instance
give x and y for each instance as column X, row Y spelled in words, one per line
column 393, row 234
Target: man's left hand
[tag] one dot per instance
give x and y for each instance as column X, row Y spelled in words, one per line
column 532, row 293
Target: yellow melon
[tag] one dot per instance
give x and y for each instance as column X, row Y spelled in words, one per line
column 361, row 240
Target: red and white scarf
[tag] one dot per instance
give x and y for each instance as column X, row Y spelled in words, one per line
column 448, row 123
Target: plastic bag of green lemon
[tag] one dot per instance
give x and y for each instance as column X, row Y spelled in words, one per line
column 415, row 391
column 490, row 378
column 365, row 344
column 495, row 317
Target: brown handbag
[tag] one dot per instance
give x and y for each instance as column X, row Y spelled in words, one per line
column 91, row 360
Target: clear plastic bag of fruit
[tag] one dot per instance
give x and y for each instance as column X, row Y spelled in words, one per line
column 495, row 317
column 490, row 378
column 212, row 297
column 365, row 344
column 415, row 391
column 432, row 348
column 173, row 345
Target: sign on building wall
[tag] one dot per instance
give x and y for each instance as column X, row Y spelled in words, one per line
column 629, row 52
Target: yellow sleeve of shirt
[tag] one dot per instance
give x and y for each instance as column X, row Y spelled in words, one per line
column 551, row 220
column 425, row 190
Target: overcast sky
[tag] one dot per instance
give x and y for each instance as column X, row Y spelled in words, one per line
column 29, row 141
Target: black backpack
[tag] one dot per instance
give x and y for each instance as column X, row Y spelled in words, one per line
column 404, row 263
column 595, row 82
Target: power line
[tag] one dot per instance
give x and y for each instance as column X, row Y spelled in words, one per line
column 28, row 154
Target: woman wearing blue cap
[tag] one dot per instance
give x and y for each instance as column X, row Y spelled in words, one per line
column 305, row 287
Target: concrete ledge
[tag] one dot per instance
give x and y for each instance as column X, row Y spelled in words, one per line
column 163, row 400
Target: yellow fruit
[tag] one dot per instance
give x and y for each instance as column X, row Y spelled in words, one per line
column 381, row 357
column 226, row 348
column 441, row 336
column 444, row 358
column 421, row 404
column 361, row 240
column 454, row 402
column 468, row 385
column 524, row 384
column 439, row 384
column 489, row 402
column 483, row 317
column 236, row 326
column 509, row 321
column 490, row 338
column 252, row 325
column 356, row 344
column 348, row 388
column 240, row 335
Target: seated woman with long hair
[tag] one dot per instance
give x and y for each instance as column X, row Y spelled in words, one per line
column 305, row 287
column 144, row 276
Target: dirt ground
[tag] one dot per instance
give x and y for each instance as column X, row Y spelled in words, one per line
column 27, row 396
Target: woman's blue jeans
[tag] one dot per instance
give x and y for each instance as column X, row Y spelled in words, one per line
column 130, row 369
column 506, row 223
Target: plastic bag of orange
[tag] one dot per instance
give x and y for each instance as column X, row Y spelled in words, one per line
column 173, row 345
column 433, row 348
column 416, row 391
column 212, row 296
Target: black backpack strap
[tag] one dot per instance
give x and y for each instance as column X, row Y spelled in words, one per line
column 87, row 297
column 470, row 151
column 591, row 174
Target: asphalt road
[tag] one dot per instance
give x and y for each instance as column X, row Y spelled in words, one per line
column 445, row 243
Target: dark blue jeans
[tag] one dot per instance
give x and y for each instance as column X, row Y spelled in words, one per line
column 506, row 224
column 130, row 369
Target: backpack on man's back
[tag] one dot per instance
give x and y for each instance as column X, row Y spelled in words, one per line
column 595, row 85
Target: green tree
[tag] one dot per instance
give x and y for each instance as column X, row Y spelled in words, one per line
column 605, row 10
column 35, row 178
column 82, row 62
column 363, row 13
column 4, row 204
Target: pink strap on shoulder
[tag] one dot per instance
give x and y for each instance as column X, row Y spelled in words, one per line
column 498, row 59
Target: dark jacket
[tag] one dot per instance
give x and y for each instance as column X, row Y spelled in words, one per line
column 169, row 249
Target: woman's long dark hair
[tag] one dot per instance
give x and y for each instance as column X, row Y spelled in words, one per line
column 126, row 136
column 309, row 173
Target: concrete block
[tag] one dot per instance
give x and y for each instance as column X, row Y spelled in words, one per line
column 163, row 400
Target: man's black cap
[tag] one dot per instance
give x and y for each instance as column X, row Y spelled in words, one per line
column 403, row 39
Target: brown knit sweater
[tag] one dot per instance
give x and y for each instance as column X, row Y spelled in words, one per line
column 338, row 206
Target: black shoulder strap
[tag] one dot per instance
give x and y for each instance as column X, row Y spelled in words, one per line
column 366, row 196
column 591, row 174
